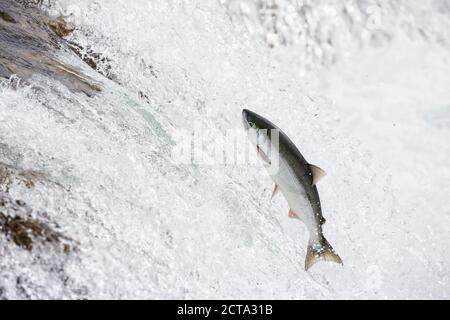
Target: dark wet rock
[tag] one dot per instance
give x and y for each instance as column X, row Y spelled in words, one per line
column 10, row 175
column 34, row 234
column 61, row 27
column 25, row 231
column 28, row 47
column 6, row 17
column 96, row 61
column 30, row 3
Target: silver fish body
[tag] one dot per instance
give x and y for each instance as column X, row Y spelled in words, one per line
column 295, row 178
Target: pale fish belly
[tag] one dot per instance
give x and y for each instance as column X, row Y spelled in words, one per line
column 295, row 194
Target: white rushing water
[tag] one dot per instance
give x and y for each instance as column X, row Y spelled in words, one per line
column 361, row 87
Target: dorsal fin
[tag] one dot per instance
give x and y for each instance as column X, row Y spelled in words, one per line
column 317, row 173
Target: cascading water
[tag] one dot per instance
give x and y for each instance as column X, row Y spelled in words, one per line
column 94, row 202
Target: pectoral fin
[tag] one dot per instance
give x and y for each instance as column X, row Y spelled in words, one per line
column 317, row 173
column 293, row 215
column 276, row 189
column 263, row 155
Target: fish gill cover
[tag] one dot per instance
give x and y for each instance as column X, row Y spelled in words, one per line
column 98, row 201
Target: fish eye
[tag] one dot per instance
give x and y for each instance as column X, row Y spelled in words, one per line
column 251, row 124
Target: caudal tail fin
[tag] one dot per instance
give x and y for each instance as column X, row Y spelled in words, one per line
column 320, row 250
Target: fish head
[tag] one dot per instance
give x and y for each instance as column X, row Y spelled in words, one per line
column 257, row 126
column 265, row 136
column 252, row 120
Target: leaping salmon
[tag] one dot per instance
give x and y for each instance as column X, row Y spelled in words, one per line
column 296, row 179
